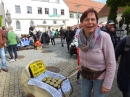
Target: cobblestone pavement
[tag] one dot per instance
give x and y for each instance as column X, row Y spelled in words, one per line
column 10, row 85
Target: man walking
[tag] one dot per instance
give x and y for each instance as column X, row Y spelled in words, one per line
column 62, row 35
column 2, row 51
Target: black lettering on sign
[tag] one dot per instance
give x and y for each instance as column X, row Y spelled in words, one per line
column 35, row 68
column 37, row 73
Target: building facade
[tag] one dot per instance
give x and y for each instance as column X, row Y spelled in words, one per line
column 77, row 7
column 104, row 12
column 39, row 13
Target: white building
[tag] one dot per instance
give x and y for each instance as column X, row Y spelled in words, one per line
column 39, row 13
column 104, row 12
column 77, row 7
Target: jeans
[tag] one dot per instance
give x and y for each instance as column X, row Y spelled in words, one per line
column 78, row 75
column 53, row 41
column 62, row 41
column 68, row 44
column 3, row 58
column 88, row 85
column 11, row 49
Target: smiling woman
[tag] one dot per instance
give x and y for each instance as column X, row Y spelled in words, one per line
column 97, row 59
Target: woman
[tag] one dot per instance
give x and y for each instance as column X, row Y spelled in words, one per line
column 123, row 75
column 52, row 33
column 12, row 41
column 97, row 59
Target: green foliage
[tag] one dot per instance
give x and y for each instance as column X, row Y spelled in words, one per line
column 119, row 3
column 0, row 21
column 126, row 10
column 113, row 12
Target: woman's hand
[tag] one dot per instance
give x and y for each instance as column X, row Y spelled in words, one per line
column 79, row 68
column 104, row 90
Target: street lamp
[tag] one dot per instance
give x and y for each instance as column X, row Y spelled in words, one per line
column 77, row 7
column 118, row 20
column 119, row 34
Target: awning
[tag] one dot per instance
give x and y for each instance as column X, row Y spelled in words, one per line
column 52, row 25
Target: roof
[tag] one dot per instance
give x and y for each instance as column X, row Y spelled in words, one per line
column 105, row 11
column 84, row 5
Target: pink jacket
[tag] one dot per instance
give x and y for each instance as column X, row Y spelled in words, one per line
column 100, row 57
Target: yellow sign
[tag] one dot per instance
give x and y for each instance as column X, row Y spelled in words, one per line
column 37, row 68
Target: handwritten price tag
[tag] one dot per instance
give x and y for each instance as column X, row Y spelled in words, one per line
column 37, row 68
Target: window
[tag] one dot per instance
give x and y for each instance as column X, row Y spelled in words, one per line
column 54, row 11
column 54, row 22
column 39, row 10
column 44, row 22
column 17, row 25
column 62, row 12
column 71, row 15
column 31, row 23
column 57, row 1
column 29, row 9
column 17, row 9
column 46, row 10
column 78, row 15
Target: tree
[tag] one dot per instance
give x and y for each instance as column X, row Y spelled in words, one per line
column 114, row 4
column 113, row 9
column 126, row 10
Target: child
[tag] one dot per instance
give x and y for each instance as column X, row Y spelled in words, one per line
column 37, row 43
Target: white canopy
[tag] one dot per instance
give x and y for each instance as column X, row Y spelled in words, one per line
column 46, row 25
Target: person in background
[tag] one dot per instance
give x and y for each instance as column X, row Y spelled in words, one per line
column 69, row 35
column 12, row 44
column 31, row 31
column 97, row 57
column 109, row 28
column 78, row 50
column 52, row 36
column 37, row 43
column 123, row 74
column 6, row 33
column 78, row 30
column 62, row 33
column 56, row 33
column 34, row 34
column 2, row 51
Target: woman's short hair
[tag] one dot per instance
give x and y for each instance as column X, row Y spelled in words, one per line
column 85, row 14
column 10, row 28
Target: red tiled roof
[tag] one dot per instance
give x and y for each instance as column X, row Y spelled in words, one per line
column 105, row 11
column 84, row 5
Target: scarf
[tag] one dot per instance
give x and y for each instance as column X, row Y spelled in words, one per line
column 86, row 44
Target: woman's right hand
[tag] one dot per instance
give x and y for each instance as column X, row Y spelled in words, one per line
column 79, row 68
